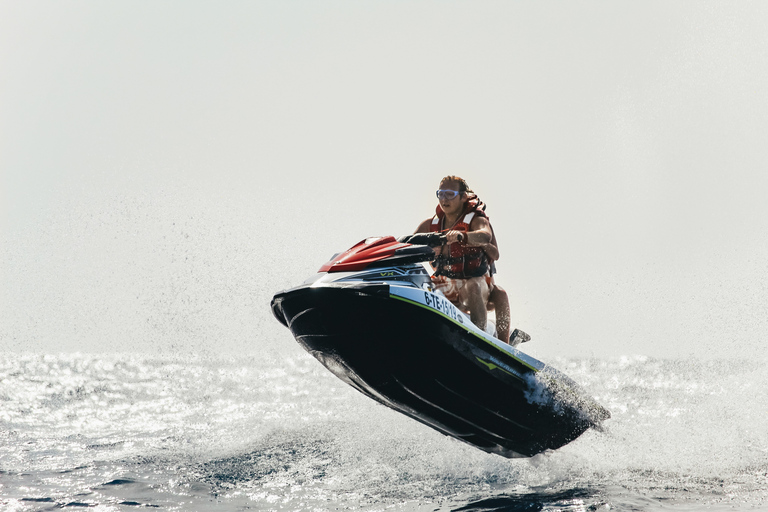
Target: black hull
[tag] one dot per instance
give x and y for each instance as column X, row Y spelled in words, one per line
column 424, row 365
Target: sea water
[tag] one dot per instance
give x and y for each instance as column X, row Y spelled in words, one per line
column 279, row 432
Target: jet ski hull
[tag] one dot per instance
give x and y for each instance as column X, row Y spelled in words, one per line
column 413, row 352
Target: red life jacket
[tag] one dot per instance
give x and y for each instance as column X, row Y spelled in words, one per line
column 462, row 261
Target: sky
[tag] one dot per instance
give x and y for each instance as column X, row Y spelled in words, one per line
column 167, row 166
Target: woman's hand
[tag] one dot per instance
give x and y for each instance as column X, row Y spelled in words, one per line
column 454, row 236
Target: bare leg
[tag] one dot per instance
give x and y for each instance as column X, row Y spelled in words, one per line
column 475, row 294
column 500, row 300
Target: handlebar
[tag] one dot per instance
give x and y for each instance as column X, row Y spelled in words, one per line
column 429, row 239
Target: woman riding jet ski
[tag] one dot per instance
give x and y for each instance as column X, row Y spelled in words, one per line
column 464, row 268
column 373, row 316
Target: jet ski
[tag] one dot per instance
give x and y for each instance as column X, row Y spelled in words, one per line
column 371, row 316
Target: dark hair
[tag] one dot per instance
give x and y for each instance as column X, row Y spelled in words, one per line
column 463, row 187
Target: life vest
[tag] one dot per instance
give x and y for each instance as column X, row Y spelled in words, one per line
column 463, row 261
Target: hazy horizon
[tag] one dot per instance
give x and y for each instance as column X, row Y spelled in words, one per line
column 168, row 166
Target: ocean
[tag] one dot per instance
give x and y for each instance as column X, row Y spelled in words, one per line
column 126, row 432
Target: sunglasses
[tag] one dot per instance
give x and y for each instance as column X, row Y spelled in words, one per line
column 447, row 194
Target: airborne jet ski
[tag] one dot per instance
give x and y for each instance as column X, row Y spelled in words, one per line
column 371, row 317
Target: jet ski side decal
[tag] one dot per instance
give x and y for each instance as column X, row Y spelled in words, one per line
column 433, row 302
column 443, row 307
